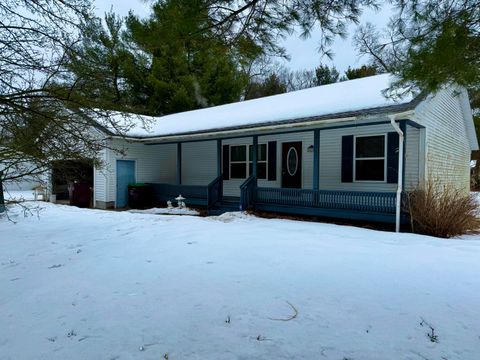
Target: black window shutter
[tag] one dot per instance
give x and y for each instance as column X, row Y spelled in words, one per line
column 272, row 160
column 392, row 157
column 347, row 158
column 226, row 162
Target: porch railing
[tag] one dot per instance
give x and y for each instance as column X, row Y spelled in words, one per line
column 376, row 202
column 215, row 191
column 247, row 194
column 203, row 195
column 195, row 194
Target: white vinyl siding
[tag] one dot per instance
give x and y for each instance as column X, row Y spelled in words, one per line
column 153, row 163
column 199, row 162
column 331, row 159
column 412, row 158
column 157, row 163
column 307, row 157
column 100, row 176
column 448, row 151
column 231, row 187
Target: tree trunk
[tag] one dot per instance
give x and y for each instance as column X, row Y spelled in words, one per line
column 2, row 201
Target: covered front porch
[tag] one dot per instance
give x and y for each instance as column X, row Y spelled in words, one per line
column 288, row 172
column 355, row 205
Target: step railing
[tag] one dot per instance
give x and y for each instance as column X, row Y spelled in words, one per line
column 248, row 194
column 215, row 191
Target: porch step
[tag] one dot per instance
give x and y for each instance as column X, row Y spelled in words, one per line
column 226, row 205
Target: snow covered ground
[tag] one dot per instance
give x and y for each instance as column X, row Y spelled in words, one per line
column 167, row 211
column 91, row 284
column 19, row 195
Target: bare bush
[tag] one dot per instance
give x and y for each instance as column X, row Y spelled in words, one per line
column 442, row 211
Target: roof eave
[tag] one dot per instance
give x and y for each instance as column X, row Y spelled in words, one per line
column 298, row 122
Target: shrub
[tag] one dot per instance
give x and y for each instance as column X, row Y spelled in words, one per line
column 442, row 211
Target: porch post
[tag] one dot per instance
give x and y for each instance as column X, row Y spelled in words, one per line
column 179, row 163
column 254, row 156
column 219, row 157
column 316, row 158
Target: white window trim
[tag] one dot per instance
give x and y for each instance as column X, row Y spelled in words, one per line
column 238, row 162
column 247, row 161
column 384, row 158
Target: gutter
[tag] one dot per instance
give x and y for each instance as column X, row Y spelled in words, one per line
column 401, row 145
column 270, row 125
column 246, row 131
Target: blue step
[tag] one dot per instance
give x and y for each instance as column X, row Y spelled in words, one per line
column 226, row 205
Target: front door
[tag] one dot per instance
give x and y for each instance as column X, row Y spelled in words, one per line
column 125, row 176
column 292, row 164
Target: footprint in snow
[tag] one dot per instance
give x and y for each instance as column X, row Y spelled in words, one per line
column 9, row 264
column 76, row 246
column 55, row 266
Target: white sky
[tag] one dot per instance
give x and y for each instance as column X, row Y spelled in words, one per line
column 304, row 53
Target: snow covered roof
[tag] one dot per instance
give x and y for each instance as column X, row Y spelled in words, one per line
column 346, row 98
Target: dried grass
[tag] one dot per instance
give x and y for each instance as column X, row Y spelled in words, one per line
column 442, row 211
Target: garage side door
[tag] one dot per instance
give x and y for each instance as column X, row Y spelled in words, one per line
column 125, row 176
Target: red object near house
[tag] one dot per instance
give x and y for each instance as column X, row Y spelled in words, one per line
column 80, row 194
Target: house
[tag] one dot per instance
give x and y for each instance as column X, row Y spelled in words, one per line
column 342, row 150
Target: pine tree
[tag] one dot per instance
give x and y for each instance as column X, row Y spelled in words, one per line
column 42, row 120
column 429, row 43
column 325, row 75
column 102, row 64
column 271, row 85
column 363, row 71
column 188, row 68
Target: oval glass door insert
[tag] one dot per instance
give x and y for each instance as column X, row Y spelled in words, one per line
column 292, row 161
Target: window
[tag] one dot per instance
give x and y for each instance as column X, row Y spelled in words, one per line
column 292, row 161
column 261, row 161
column 370, row 158
column 238, row 162
column 239, row 158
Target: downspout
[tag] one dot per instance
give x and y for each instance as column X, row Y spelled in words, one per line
column 401, row 140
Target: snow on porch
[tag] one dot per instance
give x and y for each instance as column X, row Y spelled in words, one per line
column 91, row 284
